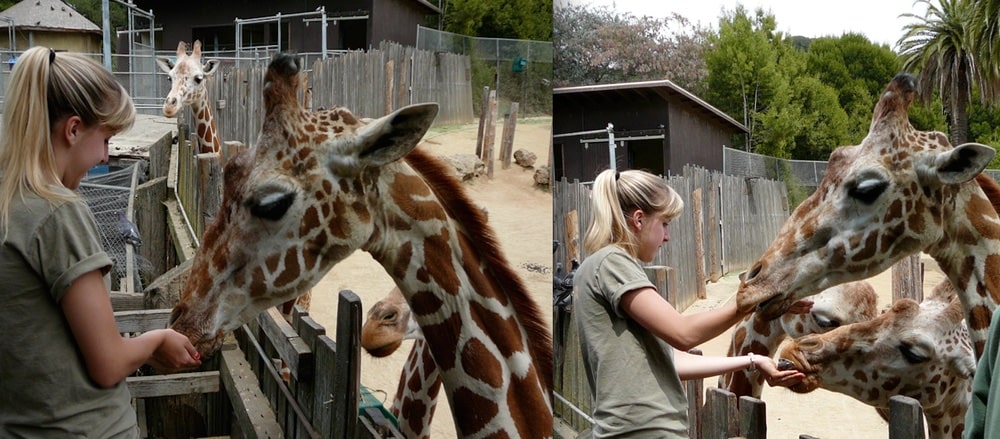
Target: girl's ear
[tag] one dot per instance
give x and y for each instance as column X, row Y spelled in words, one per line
column 71, row 130
column 636, row 218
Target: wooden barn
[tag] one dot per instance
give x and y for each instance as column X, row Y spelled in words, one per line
column 50, row 23
column 351, row 24
column 657, row 126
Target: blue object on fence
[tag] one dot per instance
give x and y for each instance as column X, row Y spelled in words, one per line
column 370, row 401
column 519, row 64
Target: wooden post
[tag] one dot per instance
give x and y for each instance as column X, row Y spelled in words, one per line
column 484, row 107
column 908, row 279
column 572, row 240
column 695, row 397
column 151, row 219
column 507, row 139
column 721, row 417
column 753, row 418
column 210, row 184
column 347, row 380
column 699, row 243
column 389, row 83
column 714, row 258
column 490, row 135
column 906, row 418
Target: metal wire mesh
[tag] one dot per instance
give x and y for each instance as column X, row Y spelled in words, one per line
column 107, row 190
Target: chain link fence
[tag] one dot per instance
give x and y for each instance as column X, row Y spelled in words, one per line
column 519, row 70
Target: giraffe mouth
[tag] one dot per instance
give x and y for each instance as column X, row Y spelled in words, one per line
column 384, row 350
column 773, row 307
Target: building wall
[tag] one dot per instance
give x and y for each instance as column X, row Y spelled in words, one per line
column 695, row 139
column 60, row 41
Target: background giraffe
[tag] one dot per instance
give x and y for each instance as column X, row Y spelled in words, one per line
column 187, row 87
column 390, row 322
column 917, row 350
column 840, row 305
column 319, row 186
column 899, row 192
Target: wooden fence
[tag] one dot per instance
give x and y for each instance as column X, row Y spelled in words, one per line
column 727, row 223
column 370, row 83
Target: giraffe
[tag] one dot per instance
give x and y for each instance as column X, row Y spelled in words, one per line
column 389, row 323
column 900, row 192
column 319, row 185
column 187, row 87
column 839, row 305
column 920, row 350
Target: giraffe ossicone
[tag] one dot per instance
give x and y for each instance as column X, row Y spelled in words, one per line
column 320, row 185
column 900, row 192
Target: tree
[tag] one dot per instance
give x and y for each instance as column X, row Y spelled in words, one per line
column 939, row 48
column 597, row 45
column 743, row 76
column 515, row 19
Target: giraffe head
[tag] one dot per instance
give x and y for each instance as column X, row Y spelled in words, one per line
column 879, row 201
column 295, row 204
column 920, row 350
column 187, row 77
column 389, row 323
column 833, row 307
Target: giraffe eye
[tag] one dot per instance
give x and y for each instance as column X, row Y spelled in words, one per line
column 198, row 79
column 824, row 322
column 912, row 354
column 868, row 190
column 271, row 206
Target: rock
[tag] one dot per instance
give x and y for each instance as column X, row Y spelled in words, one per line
column 467, row 166
column 543, row 176
column 525, row 158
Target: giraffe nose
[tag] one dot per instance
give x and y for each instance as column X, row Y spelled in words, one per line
column 752, row 273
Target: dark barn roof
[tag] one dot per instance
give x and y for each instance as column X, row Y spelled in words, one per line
column 647, row 90
column 48, row 15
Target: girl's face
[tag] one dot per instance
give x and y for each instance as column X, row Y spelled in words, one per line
column 652, row 232
column 89, row 148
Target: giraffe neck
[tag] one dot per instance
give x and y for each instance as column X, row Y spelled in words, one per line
column 969, row 254
column 753, row 334
column 416, row 396
column 485, row 334
column 207, row 132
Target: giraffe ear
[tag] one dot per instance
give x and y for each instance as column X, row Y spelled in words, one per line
column 961, row 164
column 165, row 63
column 210, row 67
column 390, row 138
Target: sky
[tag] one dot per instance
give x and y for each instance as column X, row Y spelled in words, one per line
column 877, row 19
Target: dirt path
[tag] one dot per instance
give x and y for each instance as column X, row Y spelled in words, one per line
column 520, row 215
column 821, row 413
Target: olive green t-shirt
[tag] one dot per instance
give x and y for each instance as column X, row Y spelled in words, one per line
column 633, row 382
column 45, row 390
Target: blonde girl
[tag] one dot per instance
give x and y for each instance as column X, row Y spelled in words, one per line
column 633, row 341
column 62, row 361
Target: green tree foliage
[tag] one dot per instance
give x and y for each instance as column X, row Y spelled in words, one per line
column 743, row 75
column 858, row 71
column 515, row 19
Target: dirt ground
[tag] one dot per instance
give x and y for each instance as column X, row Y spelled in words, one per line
column 821, row 413
column 520, row 214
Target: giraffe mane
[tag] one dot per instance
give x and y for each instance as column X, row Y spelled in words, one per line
column 461, row 208
column 991, row 189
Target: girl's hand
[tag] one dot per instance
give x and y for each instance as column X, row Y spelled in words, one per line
column 175, row 353
column 775, row 377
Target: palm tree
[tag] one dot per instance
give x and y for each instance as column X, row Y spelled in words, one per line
column 938, row 47
column 986, row 41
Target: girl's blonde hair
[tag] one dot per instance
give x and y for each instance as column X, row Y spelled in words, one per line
column 44, row 88
column 615, row 196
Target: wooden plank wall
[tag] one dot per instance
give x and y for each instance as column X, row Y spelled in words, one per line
column 370, row 83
